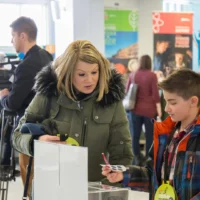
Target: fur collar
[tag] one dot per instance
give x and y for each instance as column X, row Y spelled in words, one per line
column 46, row 82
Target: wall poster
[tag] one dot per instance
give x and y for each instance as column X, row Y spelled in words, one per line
column 121, row 38
column 173, row 39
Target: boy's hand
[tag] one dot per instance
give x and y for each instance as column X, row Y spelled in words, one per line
column 112, row 176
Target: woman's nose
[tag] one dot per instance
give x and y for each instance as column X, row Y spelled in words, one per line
column 89, row 78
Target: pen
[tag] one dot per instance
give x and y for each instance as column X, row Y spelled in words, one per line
column 105, row 160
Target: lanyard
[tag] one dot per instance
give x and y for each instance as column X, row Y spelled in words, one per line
column 167, row 165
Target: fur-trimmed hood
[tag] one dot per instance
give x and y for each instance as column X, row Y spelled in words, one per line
column 46, row 84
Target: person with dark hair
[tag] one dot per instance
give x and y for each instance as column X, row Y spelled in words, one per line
column 161, row 46
column 147, row 105
column 17, row 98
column 178, row 61
column 173, row 167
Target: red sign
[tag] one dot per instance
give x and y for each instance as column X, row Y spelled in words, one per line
column 172, row 23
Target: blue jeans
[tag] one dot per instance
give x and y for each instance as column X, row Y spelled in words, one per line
column 137, row 122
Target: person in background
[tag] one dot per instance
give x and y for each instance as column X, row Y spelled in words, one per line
column 2, row 60
column 85, row 97
column 147, row 105
column 178, row 61
column 132, row 67
column 17, row 99
column 161, row 46
column 175, row 155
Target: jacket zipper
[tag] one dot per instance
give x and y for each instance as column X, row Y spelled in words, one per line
column 84, row 131
column 177, row 152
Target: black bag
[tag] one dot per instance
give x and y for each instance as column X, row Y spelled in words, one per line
column 130, row 99
column 4, row 78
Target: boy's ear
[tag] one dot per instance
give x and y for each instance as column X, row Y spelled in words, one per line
column 194, row 100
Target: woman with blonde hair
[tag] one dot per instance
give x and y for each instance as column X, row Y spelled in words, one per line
column 85, row 97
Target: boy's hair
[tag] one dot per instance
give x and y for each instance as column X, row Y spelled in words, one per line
column 26, row 25
column 183, row 82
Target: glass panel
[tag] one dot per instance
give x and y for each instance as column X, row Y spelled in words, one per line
column 8, row 13
column 38, row 14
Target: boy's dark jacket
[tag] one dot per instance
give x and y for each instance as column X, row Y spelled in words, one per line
column 187, row 172
column 101, row 126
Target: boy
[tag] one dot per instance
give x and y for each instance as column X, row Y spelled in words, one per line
column 175, row 154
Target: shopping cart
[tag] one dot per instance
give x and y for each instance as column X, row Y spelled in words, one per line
column 7, row 172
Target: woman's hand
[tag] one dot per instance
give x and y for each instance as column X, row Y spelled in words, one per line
column 50, row 138
column 112, row 176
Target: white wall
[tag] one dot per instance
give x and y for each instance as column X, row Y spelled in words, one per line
column 89, row 22
column 145, row 25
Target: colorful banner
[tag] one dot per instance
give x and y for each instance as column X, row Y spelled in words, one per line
column 196, row 48
column 51, row 49
column 121, row 38
column 172, row 41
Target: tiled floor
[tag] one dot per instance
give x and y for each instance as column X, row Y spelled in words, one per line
column 15, row 190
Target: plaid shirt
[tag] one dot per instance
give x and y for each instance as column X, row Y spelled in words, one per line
column 178, row 136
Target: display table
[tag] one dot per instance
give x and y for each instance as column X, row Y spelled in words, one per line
column 98, row 191
column 61, row 172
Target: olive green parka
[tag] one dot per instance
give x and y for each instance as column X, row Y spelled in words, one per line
column 101, row 126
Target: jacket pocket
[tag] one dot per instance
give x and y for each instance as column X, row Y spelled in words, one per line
column 104, row 117
column 179, row 171
column 191, row 175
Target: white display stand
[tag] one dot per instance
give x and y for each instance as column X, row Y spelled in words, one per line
column 98, row 191
column 60, row 172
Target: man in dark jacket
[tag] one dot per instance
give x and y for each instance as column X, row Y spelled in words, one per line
column 18, row 97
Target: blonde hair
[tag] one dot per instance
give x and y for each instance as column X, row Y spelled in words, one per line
column 133, row 65
column 64, row 66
